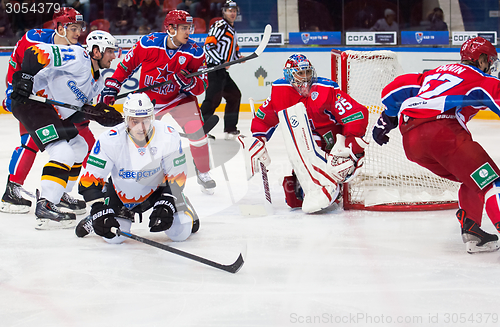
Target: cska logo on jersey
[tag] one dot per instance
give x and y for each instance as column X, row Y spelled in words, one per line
column 142, row 151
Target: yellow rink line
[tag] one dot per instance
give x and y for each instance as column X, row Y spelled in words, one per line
column 245, row 107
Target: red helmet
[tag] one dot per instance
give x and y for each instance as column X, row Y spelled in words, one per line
column 67, row 16
column 176, row 17
column 473, row 48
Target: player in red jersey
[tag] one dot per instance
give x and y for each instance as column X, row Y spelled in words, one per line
column 170, row 56
column 69, row 25
column 433, row 109
column 336, row 123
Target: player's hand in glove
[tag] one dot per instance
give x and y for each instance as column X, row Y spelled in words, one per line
column 184, row 82
column 22, row 85
column 103, row 114
column 7, row 102
column 383, row 126
column 103, row 218
column 162, row 216
column 110, row 91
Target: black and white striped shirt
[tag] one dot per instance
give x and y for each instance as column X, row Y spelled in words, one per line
column 221, row 45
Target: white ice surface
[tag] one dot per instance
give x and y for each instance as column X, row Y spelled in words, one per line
column 340, row 268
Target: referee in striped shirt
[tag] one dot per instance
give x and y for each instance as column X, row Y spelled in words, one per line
column 220, row 47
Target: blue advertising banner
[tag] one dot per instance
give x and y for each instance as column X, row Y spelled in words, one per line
column 320, row 38
column 425, row 37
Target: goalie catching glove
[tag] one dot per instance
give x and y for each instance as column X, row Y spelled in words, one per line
column 162, row 216
column 383, row 126
column 103, row 114
column 103, row 218
column 255, row 150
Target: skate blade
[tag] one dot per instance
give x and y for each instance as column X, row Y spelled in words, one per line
column 12, row 208
column 209, row 191
column 46, row 224
column 471, row 247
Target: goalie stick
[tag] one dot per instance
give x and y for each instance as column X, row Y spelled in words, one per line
column 232, row 268
column 262, row 46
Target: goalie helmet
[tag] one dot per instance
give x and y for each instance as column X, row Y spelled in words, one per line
column 176, row 17
column 102, row 39
column 473, row 48
column 300, row 73
column 138, row 105
column 68, row 16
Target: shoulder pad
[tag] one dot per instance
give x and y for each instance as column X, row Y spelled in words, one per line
column 327, row 82
column 192, row 47
column 40, row 35
column 153, row 40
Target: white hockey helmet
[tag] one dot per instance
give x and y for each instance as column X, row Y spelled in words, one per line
column 138, row 105
column 103, row 40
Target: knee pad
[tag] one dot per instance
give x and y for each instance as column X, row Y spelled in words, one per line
column 124, row 226
column 181, row 227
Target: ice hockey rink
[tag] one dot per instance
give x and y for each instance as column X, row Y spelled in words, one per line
column 339, row 268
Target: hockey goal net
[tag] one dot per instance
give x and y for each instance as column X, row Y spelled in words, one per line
column 388, row 181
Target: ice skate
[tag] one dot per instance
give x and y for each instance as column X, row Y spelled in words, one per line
column 84, row 227
column 207, row 184
column 48, row 215
column 475, row 239
column 76, row 206
column 231, row 135
column 12, row 200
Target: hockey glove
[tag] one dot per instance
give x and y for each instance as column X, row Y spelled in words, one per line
column 22, row 86
column 6, row 102
column 110, row 91
column 103, row 219
column 103, row 114
column 383, row 126
column 255, row 152
column 162, row 216
column 185, row 83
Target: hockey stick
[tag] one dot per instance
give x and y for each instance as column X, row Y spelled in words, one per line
column 262, row 46
column 61, row 104
column 208, row 125
column 232, row 268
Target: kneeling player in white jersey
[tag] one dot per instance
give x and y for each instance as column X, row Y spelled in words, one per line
column 68, row 74
column 323, row 129
column 146, row 166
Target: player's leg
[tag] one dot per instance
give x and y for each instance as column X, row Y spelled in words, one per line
column 447, row 150
column 308, row 160
column 21, row 162
column 187, row 115
column 232, row 95
column 213, row 94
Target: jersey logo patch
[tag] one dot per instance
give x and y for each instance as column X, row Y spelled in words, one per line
column 99, row 163
column 47, row 133
column 353, row 117
column 314, row 95
column 180, row 160
column 57, row 56
column 153, row 150
column 182, row 60
column 112, row 132
column 260, row 114
column 484, row 175
column 142, row 151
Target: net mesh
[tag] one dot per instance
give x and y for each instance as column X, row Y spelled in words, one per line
column 387, row 177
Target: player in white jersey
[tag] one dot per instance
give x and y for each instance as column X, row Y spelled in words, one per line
column 68, row 74
column 146, row 166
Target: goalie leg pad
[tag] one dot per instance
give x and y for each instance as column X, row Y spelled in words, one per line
column 307, row 159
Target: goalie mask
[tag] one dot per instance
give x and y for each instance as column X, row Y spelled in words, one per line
column 300, row 73
column 139, row 116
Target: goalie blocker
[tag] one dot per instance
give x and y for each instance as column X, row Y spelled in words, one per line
column 319, row 173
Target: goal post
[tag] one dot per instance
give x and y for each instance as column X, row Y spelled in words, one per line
column 388, row 181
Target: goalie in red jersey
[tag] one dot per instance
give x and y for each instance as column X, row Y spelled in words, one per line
column 323, row 129
column 432, row 110
column 170, row 56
